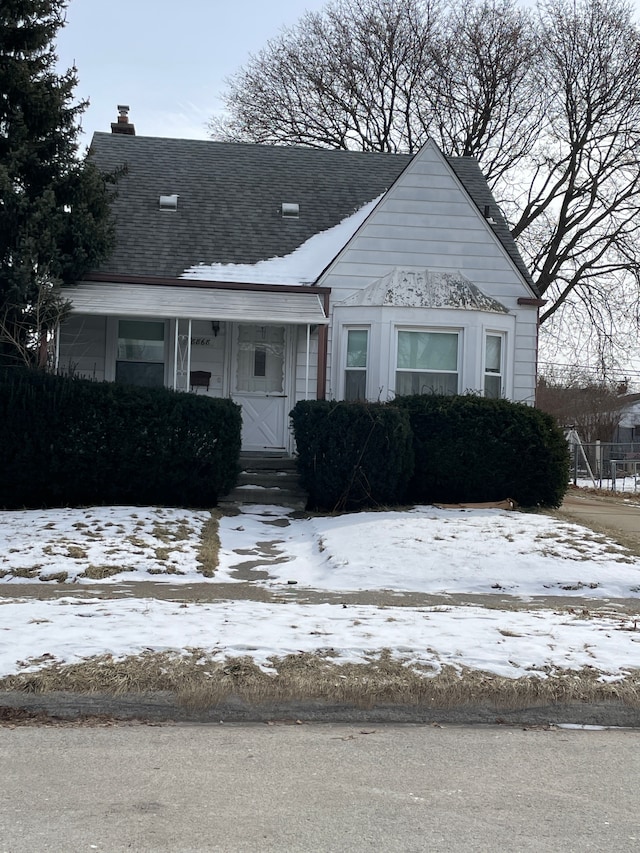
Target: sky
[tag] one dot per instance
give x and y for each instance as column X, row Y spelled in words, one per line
column 167, row 60
column 511, row 557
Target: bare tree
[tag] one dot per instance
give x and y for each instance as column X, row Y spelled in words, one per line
column 576, row 217
column 343, row 78
column 481, row 99
column 594, row 409
column 548, row 101
column 29, row 329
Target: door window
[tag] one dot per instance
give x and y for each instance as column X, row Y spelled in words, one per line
column 260, row 366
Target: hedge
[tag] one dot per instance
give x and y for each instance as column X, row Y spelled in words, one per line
column 428, row 449
column 469, row 448
column 72, row 442
column 352, row 455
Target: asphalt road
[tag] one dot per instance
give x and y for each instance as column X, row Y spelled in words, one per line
column 318, row 788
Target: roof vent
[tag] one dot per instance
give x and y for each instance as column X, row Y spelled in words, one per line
column 488, row 216
column 169, row 202
column 290, row 210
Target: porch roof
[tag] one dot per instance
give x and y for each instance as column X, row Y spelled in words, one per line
column 289, row 307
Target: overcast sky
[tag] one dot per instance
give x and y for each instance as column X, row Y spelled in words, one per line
column 166, row 59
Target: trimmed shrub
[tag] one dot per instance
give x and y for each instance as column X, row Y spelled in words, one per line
column 352, row 455
column 470, row 448
column 71, row 442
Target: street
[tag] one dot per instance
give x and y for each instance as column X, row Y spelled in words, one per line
column 317, row 787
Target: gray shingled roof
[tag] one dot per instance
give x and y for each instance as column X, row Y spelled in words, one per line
column 230, row 199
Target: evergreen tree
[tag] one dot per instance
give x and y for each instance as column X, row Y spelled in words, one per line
column 55, row 222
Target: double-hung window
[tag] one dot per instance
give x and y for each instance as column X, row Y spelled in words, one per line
column 355, row 373
column 493, row 366
column 140, row 352
column 427, row 363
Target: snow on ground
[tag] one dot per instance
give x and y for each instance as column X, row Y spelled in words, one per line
column 511, row 644
column 422, row 550
column 625, row 484
column 425, row 550
column 121, row 543
column 433, row 550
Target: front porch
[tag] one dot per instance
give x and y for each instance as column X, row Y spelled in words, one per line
column 264, row 348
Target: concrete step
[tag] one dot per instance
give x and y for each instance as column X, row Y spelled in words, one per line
column 269, row 480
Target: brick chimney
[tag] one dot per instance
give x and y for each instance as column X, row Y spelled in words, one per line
column 123, row 125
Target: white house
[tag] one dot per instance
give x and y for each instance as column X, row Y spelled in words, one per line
column 273, row 274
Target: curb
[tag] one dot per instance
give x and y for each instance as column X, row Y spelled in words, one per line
column 163, row 707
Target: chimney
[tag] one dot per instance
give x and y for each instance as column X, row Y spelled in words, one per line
column 123, row 125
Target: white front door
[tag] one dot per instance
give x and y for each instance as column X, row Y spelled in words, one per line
column 259, row 385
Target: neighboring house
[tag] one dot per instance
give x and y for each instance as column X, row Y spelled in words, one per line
column 273, row 274
column 628, row 429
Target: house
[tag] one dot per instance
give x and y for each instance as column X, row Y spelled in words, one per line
column 628, row 429
column 273, row 274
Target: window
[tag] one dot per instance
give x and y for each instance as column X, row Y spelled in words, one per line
column 493, row 366
column 427, row 363
column 260, row 359
column 140, row 352
column 355, row 374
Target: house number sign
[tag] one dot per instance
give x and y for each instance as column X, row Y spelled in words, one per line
column 200, row 342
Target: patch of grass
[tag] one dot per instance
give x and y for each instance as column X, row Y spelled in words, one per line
column 27, row 573
column 209, row 549
column 198, row 681
column 179, row 532
column 137, row 542
column 59, row 577
column 70, row 550
column 163, row 554
column 169, row 570
column 98, row 573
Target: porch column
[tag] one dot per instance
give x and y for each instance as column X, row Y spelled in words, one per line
column 306, row 366
column 182, row 355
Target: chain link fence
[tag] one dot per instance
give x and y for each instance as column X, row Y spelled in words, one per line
column 613, row 466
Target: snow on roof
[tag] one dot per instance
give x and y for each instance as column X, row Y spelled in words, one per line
column 303, row 266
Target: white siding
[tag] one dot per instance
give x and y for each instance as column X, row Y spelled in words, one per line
column 427, row 221
column 208, row 353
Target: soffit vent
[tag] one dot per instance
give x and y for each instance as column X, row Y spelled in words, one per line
column 290, row 210
column 169, row 202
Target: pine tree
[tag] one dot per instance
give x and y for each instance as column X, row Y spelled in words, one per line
column 55, row 222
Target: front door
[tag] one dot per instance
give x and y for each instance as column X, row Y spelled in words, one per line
column 259, row 385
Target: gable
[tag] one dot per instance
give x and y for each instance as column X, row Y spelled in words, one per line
column 428, row 220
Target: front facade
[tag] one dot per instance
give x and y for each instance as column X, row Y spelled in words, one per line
column 271, row 275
